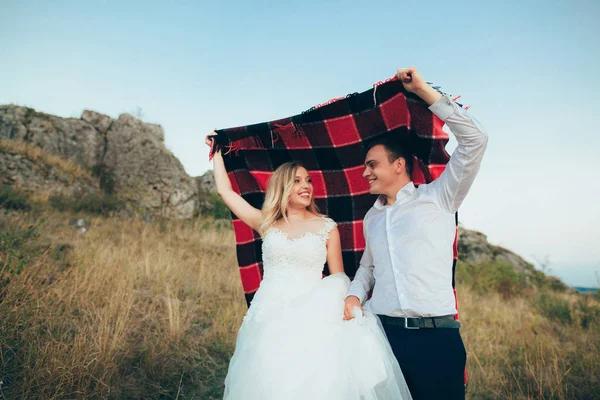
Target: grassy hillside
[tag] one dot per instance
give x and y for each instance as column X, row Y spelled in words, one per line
column 150, row 310
column 127, row 310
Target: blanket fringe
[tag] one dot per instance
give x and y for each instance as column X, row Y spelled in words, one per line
column 295, row 129
column 213, row 149
column 247, row 143
column 279, row 130
column 299, row 131
column 376, row 85
column 328, row 102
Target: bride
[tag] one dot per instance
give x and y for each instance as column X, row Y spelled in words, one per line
column 294, row 342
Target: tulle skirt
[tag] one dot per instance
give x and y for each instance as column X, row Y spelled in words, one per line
column 305, row 350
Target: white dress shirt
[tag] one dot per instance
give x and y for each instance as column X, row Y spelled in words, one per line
column 409, row 245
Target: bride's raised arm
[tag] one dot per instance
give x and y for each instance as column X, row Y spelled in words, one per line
column 241, row 208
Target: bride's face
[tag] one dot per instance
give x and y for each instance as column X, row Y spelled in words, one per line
column 302, row 190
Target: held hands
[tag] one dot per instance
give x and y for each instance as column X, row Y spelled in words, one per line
column 350, row 303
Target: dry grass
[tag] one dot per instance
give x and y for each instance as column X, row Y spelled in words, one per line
column 36, row 154
column 135, row 310
column 514, row 352
column 41, row 196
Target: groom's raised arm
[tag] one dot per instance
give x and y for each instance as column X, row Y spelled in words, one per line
column 453, row 185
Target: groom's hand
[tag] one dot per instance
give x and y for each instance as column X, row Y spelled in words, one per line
column 414, row 83
column 351, row 302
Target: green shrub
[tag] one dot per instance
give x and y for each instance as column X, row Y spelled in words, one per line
column 105, row 177
column 587, row 310
column 220, row 210
column 18, row 248
column 500, row 277
column 215, row 207
column 100, row 204
column 13, row 200
column 553, row 307
column 542, row 280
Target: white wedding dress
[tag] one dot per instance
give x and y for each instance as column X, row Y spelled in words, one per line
column 293, row 342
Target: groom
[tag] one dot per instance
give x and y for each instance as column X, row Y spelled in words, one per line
column 409, row 235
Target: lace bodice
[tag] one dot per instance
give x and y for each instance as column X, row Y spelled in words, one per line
column 292, row 263
column 305, row 253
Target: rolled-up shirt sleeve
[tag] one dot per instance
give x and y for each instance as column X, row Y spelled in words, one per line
column 364, row 279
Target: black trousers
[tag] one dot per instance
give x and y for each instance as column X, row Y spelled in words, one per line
column 432, row 361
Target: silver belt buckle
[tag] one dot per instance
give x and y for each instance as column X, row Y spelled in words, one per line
column 409, row 327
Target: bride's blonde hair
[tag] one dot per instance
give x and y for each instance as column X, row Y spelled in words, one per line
column 278, row 193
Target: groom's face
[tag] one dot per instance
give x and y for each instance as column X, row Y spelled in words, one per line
column 380, row 173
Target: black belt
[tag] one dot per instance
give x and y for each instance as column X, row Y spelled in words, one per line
column 445, row 321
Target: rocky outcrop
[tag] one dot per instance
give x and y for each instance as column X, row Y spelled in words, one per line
column 206, row 182
column 42, row 176
column 474, row 248
column 70, row 138
column 145, row 172
column 127, row 155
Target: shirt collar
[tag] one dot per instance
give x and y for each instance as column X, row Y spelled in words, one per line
column 406, row 191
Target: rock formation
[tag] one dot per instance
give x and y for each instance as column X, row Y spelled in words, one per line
column 473, row 247
column 127, row 157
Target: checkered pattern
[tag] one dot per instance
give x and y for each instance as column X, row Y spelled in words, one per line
column 330, row 141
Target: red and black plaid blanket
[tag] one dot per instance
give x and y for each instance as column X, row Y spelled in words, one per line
column 329, row 139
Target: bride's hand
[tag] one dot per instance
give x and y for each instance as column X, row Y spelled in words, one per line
column 350, row 303
column 209, row 137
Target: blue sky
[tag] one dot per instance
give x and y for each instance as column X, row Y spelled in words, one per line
column 528, row 68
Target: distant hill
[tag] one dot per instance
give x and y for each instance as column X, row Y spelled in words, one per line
column 585, row 289
column 474, row 249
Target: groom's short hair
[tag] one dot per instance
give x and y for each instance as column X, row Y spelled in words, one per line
column 394, row 149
